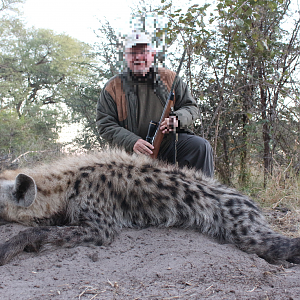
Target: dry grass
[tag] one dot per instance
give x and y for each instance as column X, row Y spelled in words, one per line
column 280, row 199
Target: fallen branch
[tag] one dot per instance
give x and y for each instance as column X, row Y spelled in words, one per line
column 40, row 151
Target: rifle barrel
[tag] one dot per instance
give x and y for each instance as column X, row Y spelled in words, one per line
column 158, row 135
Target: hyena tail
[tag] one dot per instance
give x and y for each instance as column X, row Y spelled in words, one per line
column 294, row 253
column 284, row 248
column 273, row 247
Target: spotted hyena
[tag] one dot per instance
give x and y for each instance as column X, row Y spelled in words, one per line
column 88, row 199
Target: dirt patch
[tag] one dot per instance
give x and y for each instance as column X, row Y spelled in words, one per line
column 143, row 264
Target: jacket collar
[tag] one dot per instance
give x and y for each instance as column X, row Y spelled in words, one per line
column 148, row 78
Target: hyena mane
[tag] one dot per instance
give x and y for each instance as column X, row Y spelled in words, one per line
column 87, row 199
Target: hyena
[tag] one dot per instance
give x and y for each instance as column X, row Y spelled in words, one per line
column 88, row 199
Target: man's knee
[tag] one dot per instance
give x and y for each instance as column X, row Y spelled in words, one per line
column 198, row 143
column 203, row 143
column 198, row 153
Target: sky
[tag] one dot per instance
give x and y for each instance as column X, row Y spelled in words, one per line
column 77, row 18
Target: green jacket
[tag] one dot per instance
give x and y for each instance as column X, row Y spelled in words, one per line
column 116, row 117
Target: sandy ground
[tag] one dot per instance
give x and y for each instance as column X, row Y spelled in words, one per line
column 146, row 264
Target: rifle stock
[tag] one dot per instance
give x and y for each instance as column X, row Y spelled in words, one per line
column 158, row 136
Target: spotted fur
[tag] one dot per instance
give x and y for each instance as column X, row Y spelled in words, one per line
column 87, row 199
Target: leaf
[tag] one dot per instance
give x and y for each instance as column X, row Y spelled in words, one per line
column 239, row 22
column 260, row 47
column 249, row 115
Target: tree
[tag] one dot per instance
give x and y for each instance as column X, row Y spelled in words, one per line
column 40, row 71
column 246, row 66
column 19, row 135
column 37, row 66
column 107, row 61
column 271, row 54
column 7, row 5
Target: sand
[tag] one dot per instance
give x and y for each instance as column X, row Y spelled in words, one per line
column 151, row 263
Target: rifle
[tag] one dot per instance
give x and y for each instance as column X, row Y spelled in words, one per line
column 155, row 135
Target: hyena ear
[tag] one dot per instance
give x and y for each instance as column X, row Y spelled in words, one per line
column 24, row 191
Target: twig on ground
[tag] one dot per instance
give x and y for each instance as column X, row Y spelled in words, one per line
column 41, row 151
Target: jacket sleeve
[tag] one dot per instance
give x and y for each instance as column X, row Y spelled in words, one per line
column 186, row 108
column 108, row 125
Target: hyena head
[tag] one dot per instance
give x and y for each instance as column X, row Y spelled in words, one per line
column 20, row 192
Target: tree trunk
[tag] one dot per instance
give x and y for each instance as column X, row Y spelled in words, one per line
column 265, row 131
column 243, row 177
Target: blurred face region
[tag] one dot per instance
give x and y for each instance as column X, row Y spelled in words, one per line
column 139, row 59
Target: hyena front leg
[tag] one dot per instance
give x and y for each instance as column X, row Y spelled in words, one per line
column 35, row 238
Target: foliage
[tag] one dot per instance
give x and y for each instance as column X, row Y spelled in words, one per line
column 7, row 5
column 41, row 75
column 18, row 135
column 243, row 67
column 83, row 103
column 38, row 66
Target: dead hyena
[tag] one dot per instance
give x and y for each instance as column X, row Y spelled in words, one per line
column 88, row 199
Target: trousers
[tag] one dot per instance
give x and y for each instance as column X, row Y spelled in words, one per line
column 192, row 151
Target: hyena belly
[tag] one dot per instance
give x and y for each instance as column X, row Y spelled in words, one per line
column 95, row 196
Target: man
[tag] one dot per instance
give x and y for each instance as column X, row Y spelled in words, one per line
column 130, row 100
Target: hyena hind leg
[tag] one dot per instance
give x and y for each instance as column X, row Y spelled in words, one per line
column 36, row 238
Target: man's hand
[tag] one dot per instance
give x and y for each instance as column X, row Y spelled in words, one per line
column 169, row 124
column 143, row 147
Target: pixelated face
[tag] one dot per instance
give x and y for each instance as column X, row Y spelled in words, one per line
column 139, row 59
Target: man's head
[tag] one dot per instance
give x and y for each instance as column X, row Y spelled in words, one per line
column 139, row 54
